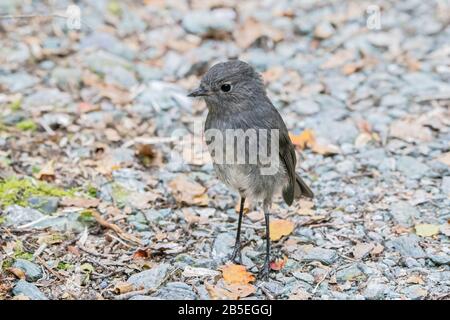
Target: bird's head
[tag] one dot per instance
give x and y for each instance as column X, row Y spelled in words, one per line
column 229, row 83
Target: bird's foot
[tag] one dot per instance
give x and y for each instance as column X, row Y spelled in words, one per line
column 263, row 273
column 236, row 256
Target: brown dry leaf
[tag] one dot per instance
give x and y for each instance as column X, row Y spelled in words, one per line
column 223, row 291
column 80, row 202
column 361, row 250
column 444, row 158
column 141, row 254
column 377, row 249
column 410, row 130
column 400, row 229
column 188, row 191
column 279, row 228
column 236, row 274
column 426, row 229
column 122, row 234
column 351, row 68
column 47, row 173
column 123, row 287
column 112, row 135
column 278, row 264
column 251, row 30
column 306, row 207
column 325, row 149
column 17, row 272
column 415, row 279
column 300, row 294
column 445, row 229
column 255, row 215
column 272, row 74
column 142, row 200
column 338, row 59
column 304, row 139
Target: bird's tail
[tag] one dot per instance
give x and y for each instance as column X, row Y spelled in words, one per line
column 301, row 189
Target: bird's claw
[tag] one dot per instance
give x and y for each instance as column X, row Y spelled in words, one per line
column 236, row 256
column 263, row 273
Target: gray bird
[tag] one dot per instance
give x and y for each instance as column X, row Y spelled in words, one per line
column 237, row 102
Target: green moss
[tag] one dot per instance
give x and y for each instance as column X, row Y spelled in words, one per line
column 119, row 194
column 2, row 220
column 92, row 191
column 20, row 253
column 114, row 7
column 86, row 217
column 16, row 105
column 64, row 265
column 17, row 191
column 7, row 263
column 26, row 125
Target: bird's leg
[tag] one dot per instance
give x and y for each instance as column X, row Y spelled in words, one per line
column 264, row 271
column 236, row 255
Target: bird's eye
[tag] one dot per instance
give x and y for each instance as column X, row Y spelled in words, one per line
column 225, row 87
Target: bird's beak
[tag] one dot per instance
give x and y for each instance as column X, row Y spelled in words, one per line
column 199, row 92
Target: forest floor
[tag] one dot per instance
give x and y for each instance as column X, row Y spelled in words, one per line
column 102, row 197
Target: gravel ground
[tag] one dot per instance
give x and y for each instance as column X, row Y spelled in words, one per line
column 100, row 200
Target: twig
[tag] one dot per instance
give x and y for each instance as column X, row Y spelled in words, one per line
column 33, row 16
column 122, row 234
column 128, row 295
column 32, row 223
column 56, row 274
column 321, row 280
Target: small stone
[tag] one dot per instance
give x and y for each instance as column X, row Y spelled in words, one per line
column 415, row 292
column 306, row 107
column 47, row 205
column 324, row 30
column 352, row 273
column 326, row 256
column 25, row 288
column 32, row 271
column 403, row 213
column 441, row 259
column 16, row 215
column 176, row 291
column 375, row 290
column 223, row 245
column 408, row 246
column 150, row 279
column 304, row 277
column 445, row 185
column 207, row 22
column 411, row 167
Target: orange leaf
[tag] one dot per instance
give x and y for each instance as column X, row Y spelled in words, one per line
column 236, row 274
column 279, row 228
column 278, row 264
column 304, row 139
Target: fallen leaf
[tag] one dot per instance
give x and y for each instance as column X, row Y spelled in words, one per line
column 236, row 274
column 224, row 291
column 410, row 130
column 47, row 173
column 80, row 202
column 306, row 207
column 361, row 250
column 279, row 228
column 300, row 294
column 444, row 158
column 378, row 248
column 426, row 229
column 17, row 272
column 255, row 215
column 445, row 229
column 278, row 264
column 325, row 149
column 142, row 200
column 415, row 279
column 304, row 139
column 251, row 30
column 141, row 254
column 188, row 191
